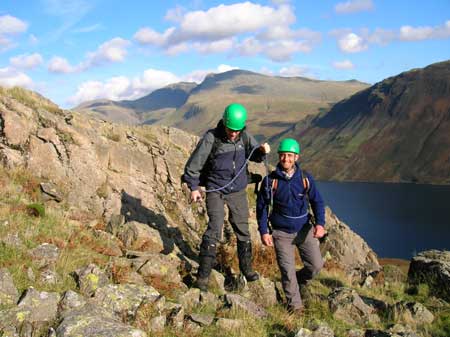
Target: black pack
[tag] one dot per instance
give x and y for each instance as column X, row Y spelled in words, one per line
column 251, row 177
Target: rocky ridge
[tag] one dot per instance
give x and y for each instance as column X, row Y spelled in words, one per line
column 129, row 179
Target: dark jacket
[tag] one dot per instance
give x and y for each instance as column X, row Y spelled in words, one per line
column 290, row 204
column 220, row 167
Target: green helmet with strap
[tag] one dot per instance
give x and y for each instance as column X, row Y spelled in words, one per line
column 289, row 145
column 234, row 116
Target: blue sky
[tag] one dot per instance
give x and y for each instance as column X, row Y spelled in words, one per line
column 76, row 50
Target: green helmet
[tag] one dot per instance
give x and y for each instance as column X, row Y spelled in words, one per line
column 234, row 117
column 289, row 145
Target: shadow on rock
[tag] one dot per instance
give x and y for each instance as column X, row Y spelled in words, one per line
column 133, row 210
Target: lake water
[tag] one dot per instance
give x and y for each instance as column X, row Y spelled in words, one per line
column 396, row 220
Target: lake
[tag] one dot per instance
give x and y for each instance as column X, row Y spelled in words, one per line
column 396, row 220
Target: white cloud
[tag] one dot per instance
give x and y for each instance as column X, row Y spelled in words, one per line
column 113, row 50
column 61, row 65
column 11, row 25
column 294, row 71
column 408, row 33
column 382, row 37
column 228, row 20
column 198, row 76
column 245, row 28
column 10, row 77
column 352, row 43
column 177, row 49
column 343, row 65
column 27, row 61
column 225, row 67
column 266, row 71
column 121, row 87
column 281, row 51
column 249, row 47
column 353, row 6
column 219, row 46
column 148, row 36
column 175, row 14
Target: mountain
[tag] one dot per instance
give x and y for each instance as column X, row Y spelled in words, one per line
column 398, row 130
column 156, row 104
column 274, row 103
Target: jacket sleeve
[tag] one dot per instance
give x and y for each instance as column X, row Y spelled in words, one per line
column 258, row 156
column 262, row 203
column 317, row 203
column 197, row 160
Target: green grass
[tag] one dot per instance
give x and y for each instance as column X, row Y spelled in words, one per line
column 30, row 99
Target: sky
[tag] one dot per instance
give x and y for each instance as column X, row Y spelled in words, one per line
column 73, row 51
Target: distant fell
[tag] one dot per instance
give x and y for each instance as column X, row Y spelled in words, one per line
column 398, row 130
column 274, row 103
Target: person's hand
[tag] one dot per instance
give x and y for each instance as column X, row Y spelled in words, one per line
column 319, row 231
column 196, row 196
column 265, row 148
column 267, row 240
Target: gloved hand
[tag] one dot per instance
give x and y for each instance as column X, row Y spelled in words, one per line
column 265, row 148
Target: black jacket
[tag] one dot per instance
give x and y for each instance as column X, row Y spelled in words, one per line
column 218, row 168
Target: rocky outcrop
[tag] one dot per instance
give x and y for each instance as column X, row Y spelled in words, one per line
column 432, row 267
column 345, row 249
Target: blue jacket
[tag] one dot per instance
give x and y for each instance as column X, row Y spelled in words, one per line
column 290, row 204
column 218, row 168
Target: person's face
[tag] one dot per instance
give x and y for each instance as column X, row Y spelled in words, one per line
column 232, row 134
column 287, row 160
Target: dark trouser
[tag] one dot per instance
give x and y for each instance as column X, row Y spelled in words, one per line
column 308, row 247
column 238, row 216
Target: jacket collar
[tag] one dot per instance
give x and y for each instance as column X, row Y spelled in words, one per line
column 279, row 173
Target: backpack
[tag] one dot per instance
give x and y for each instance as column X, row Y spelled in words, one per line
column 251, row 178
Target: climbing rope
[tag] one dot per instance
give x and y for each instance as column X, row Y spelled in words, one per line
column 237, row 175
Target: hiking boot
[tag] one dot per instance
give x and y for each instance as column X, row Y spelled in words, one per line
column 202, row 283
column 245, row 261
column 207, row 261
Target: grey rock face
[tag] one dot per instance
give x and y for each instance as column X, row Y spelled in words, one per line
column 34, row 311
column 433, row 268
column 348, row 306
column 124, row 299
column 91, row 320
column 239, row 302
column 8, row 291
column 411, row 313
column 348, row 250
column 45, row 255
column 90, row 278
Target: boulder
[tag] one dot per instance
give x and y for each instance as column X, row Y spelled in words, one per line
column 124, row 299
column 348, row 306
column 432, row 267
column 90, row 278
column 91, row 320
column 411, row 313
column 347, row 250
column 241, row 303
column 8, row 291
column 45, row 255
